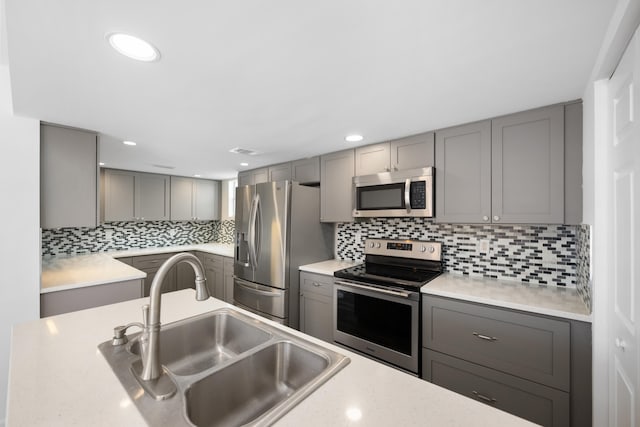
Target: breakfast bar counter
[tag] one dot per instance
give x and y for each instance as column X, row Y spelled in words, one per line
column 59, row 378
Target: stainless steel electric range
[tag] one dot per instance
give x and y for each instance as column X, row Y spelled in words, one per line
column 377, row 304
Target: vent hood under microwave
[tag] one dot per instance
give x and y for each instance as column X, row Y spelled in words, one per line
column 404, row 193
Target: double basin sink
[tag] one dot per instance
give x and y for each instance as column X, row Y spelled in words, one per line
column 229, row 370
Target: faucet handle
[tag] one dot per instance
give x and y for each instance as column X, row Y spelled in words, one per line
column 145, row 315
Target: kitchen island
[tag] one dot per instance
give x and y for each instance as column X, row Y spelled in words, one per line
column 58, row 377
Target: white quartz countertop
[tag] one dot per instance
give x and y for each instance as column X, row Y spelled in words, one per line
column 212, row 248
column 547, row 300
column 69, row 272
column 57, row 377
column 328, row 267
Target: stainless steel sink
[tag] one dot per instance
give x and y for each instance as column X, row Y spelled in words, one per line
column 229, row 369
column 193, row 345
column 266, row 378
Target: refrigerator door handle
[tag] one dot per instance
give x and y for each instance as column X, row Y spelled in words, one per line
column 253, row 214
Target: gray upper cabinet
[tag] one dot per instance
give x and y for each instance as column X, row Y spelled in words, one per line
column 280, row 172
column 416, row 151
column 372, row 159
column 135, row 196
column 306, row 171
column 336, row 176
column 194, row 199
column 527, row 152
column 68, row 177
column 463, row 173
column 206, row 203
column 251, row 177
column 507, row 170
column 573, row 163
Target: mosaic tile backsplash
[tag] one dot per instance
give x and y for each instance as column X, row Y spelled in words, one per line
column 537, row 254
column 113, row 236
column 583, row 270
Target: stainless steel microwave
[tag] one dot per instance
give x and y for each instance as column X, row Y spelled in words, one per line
column 394, row 194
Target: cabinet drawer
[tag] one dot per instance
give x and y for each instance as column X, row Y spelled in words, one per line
column 531, row 347
column 149, row 261
column 228, row 265
column 316, row 283
column 542, row 405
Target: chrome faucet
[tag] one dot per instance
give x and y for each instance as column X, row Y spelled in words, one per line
column 151, row 369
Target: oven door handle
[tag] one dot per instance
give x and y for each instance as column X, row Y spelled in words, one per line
column 374, row 289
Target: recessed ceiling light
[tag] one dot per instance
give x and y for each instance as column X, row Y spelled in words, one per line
column 354, row 138
column 101, row 163
column 133, row 47
column 128, row 143
column 244, row 164
column 197, row 176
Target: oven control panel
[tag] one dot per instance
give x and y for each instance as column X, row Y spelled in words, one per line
column 404, row 248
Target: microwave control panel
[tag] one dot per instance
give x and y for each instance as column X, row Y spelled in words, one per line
column 418, row 191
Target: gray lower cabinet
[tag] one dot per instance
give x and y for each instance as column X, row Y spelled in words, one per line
column 336, row 181
column 150, row 265
column 194, row 199
column 306, row 171
column 214, row 271
column 68, row 177
column 227, row 268
column 542, row 405
column 59, row 302
column 135, row 196
column 316, row 305
column 534, row 366
column 510, row 169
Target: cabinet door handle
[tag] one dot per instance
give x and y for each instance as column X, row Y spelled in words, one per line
column 484, row 398
column 316, row 284
column 485, row 337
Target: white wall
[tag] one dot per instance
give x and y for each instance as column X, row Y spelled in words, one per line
column 19, row 220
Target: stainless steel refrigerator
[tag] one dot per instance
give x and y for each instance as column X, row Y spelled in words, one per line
column 278, row 229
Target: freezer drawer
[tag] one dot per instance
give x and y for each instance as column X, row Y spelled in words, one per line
column 271, row 301
column 265, row 315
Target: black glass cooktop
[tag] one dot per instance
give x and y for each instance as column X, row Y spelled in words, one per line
column 388, row 275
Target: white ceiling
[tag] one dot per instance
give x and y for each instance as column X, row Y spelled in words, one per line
column 291, row 78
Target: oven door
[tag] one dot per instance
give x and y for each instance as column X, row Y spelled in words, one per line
column 382, row 323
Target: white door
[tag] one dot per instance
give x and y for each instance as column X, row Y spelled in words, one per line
column 622, row 205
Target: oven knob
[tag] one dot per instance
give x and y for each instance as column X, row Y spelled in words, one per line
column 431, row 249
column 423, row 249
column 378, row 245
column 371, row 244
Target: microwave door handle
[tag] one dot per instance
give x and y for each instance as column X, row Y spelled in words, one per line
column 407, row 194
